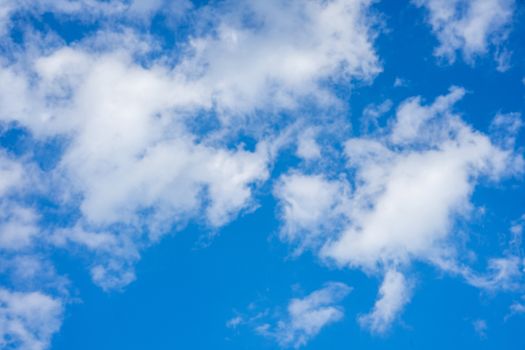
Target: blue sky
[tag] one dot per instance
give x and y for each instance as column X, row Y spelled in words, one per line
column 262, row 174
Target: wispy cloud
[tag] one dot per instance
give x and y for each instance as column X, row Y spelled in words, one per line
column 394, row 293
column 480, row 327
column 307, row 316
column 469, row 26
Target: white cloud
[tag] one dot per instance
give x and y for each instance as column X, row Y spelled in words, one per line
column 18, row 226
column 307, row 316
column 311, row 205
column 6, row 8
column 392, row 185
column 12, row 175
column 412, row 117
column 409, row 184
column 33, row 271
column 394, row 293
column 92, row 240
column 28, row 320
column 505, row 129
column 134, row 166
column 115, row 254
column 283, row 57
column 372, row 113
column 468, row 26
column 18, row 222
column 113, row 274
column 307, row 146
column 114, row 161
column 503, row 274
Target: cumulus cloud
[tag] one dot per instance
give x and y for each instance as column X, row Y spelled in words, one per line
column 131, row 161
column 283, row 57
column 135, row 162
column 150, row 139
column 28, row 320
column 409, row 185
column 307, row 316
column 468, row 26
column 311, row 204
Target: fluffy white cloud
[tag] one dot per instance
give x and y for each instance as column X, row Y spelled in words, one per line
column 307, row 316
column 285, row 52
column 469, row 26
column 410, row 183
column 150, row 141
column 429, row 179
column 28, row 320
column 135, row 161
column 430, row 156
column 311, row 206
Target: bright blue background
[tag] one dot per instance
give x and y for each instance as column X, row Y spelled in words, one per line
column 189, row 285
